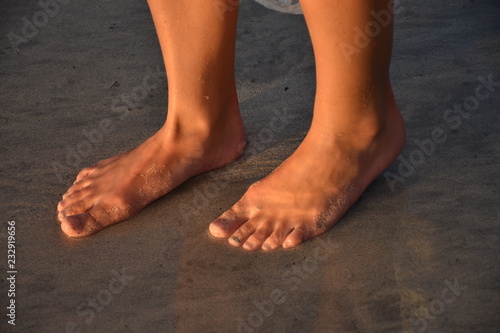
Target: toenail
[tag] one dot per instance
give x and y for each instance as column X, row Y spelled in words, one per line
column 223, row 223
column 266, row 247
column 236, row 239
column 248, row 246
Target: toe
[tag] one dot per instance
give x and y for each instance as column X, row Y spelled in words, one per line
column 71, row 199
column 252, row 243
column 241, row 235
column 78, row 207
column 277, row 238
column 80, row 225
column 77, row 186
column 85, row 173
column 296, row 237
column 227, row 224
column 255, row 240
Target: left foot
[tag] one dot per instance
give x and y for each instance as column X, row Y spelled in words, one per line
column 312, row 189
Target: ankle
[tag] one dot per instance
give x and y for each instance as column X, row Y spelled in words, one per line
column 202, row 119
column 358, row 127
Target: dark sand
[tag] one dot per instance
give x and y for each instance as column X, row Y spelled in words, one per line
column 428, row 250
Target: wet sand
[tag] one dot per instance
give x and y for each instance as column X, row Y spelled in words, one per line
column 418, row 252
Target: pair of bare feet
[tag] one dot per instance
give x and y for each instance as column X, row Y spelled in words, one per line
column 301, row 199
column 357, row 130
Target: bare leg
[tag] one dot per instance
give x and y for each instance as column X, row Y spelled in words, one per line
column 203, row 130
column 357, row 131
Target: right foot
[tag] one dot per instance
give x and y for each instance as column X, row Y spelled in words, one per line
column 119, row 187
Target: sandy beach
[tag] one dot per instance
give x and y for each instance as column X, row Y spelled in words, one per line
column 419, row 251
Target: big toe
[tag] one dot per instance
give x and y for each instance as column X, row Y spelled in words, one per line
column 80, row 225
column 225, row 225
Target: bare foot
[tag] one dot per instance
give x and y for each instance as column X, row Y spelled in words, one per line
column 314, row 188
column 117, row 188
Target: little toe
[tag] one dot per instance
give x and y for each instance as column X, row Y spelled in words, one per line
column 296, row 237
column 80, row 225
column 225, row 225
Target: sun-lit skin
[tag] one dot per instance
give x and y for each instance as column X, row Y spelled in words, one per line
column 357, row 130
column 203, row 130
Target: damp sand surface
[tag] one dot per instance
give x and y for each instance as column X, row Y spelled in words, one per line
column 421, row 257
